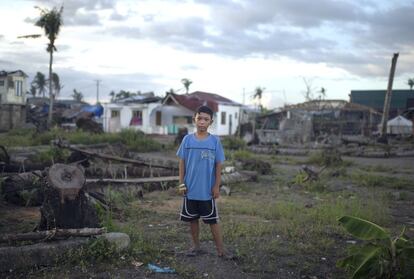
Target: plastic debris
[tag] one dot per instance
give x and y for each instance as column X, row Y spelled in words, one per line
column 137, row 263
column 158, row 269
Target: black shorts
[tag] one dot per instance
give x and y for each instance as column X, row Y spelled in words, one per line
column 194, row 209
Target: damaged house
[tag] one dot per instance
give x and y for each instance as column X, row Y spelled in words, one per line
column 136, row 112
column 12, row 99
column 178, row 111
column 317, row 120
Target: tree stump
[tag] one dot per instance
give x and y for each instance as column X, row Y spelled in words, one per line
column 66, row 206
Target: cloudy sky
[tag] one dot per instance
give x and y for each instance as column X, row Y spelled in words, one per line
column 223, row 46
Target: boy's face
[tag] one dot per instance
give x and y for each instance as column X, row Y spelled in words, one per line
column 203, row 121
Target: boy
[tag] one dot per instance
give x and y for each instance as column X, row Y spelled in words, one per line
column 201, row 156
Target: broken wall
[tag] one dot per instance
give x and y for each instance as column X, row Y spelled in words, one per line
column 12, row 116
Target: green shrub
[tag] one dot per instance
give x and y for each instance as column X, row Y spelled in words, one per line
column 233, row 143
column 242, row 155
column 328, row 158
column 52, row 155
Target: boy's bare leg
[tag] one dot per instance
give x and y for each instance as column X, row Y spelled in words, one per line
column 195, row 232
column 218, row 239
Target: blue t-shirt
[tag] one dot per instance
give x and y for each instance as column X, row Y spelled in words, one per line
column 200, row 157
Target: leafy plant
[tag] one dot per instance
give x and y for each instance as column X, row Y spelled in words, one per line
column 242, row 155
column 233, row 143
column 382, row 257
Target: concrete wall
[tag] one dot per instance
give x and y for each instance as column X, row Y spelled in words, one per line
column 8, row 90
column 12, row 116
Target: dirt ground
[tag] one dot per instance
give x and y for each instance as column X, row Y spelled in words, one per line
column 277, row 226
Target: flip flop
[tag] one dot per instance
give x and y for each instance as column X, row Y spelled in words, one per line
column 194, row 252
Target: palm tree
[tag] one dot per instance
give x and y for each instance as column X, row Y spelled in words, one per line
column 112, row 94
column 77, row 95
column 171, row 91
column 410, row 83
column 322, row 93
column 186, row 82
column 56, row 83
column 50, row 21
column 258, row 93
column 39, row 82
column 33, row 90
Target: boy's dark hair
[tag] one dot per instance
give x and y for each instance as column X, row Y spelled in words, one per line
column 205, row 109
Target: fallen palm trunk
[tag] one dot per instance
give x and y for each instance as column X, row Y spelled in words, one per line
column 134, row 180
column 124, row 171
column 107, row 157
column 51, row 234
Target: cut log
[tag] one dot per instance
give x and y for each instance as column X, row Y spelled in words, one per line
column 51, row 234
column 66, row 205
column 238, row 176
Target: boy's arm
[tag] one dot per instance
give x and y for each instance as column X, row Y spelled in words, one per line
column 181, row 171
column 216, row 187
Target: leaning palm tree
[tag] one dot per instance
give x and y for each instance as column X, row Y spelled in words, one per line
column 50, row 21
column 57, row 86
column 410, row 83
column 186, row 82
column 39, row 82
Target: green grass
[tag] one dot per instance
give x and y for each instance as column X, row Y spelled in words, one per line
column 134, row 140
column 374, row 181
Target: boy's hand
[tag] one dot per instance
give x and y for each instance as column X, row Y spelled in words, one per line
column 216, row 192
column 182, row 189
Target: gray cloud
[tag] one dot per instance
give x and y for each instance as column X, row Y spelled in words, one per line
column 115, row 16
column 86, row 83
column 358, row 36
column 363, row 34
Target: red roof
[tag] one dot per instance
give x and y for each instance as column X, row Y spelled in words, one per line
column 196, row 99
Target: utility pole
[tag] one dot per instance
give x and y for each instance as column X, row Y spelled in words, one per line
column 97, row 90
column 244, row 96
column 387, row 101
